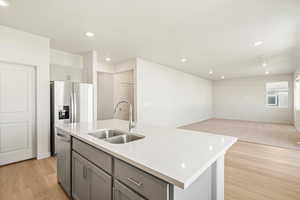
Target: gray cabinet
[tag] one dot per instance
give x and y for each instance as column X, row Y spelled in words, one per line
column 88, row 181
column 121, row 192
column 63, row 164
column 79, row 178
column 99, row 183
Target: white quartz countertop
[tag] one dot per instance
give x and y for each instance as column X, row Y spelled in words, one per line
column 176, row 156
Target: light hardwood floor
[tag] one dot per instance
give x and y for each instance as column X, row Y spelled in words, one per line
column 260, row 172
column 30, row 180
column 252, row 172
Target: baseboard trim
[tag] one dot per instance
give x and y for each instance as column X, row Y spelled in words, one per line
column 43, row 155
column 257, row 121
column 200, row 120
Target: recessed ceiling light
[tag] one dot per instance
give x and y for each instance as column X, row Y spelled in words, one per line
column 267, row 72
column 258, row 43
column 222, row 77
column 4, row 3
column 264, row 64
column 107, row 59
column 89, row 34
column 211, row 72
column 183, row 60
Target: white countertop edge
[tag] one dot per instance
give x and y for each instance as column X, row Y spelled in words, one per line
column 178, row 183
column 191, row 180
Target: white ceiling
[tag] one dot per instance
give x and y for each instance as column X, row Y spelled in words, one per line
column 211, row 34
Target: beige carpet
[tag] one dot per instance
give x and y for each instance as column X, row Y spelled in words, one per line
column 280, row 135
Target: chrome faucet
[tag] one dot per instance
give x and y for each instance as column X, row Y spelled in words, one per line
column 131, row 123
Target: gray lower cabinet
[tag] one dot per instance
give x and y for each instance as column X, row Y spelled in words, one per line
column 99, row 183
column 121, row 192
column 61, row 170
column 79, row 178
column 88, row 181
column 92, row 172
column 63, row 165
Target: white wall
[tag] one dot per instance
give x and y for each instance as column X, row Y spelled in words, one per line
column 90, row 64
column 125, row 65
column 27, row 49
column 66, row 66
column 105, row 67
column 63, row 58
column 167, row 97
column 62, row 73
column 105, row 95
column 245, row 99
column 296, row 94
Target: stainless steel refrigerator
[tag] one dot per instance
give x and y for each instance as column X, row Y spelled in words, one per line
column 70, row 102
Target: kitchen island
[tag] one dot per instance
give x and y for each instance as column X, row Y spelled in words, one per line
column 162, row 164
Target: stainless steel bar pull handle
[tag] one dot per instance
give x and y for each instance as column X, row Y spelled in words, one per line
column 61, row 135
column 139, row 184
column 84, row 172
column 72, row 107
column 63, row 138
column 75, row 107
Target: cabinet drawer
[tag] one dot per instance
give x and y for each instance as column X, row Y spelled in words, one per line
column 94, row 155
column 145, row 184
column 122, row 192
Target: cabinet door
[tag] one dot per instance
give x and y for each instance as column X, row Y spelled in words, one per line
column 121, row 192
column 80, row 180
column 100, row 184
column 60, row 169
column 63, row 165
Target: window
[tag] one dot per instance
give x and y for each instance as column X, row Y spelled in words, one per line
column 272, row 100
column 277, row 94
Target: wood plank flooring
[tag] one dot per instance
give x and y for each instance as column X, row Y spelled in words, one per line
column 30, row 180
column 260, row 172
column 252, row 172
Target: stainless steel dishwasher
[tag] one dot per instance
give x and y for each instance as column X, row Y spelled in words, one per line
column 63, row 149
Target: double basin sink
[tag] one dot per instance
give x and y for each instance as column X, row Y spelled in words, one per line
column 116, row 136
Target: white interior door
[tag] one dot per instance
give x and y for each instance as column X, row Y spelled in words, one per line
column 17, row 113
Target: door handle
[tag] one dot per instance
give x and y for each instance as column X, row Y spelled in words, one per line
column 139, row 184
column 83, row 172
column 61, row 135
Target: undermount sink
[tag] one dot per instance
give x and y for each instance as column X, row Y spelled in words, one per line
column 123, row 139
column 107, row 133
column 116, row 136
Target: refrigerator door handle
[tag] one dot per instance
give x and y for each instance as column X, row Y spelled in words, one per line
column 75, row 107
column 72, row 108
